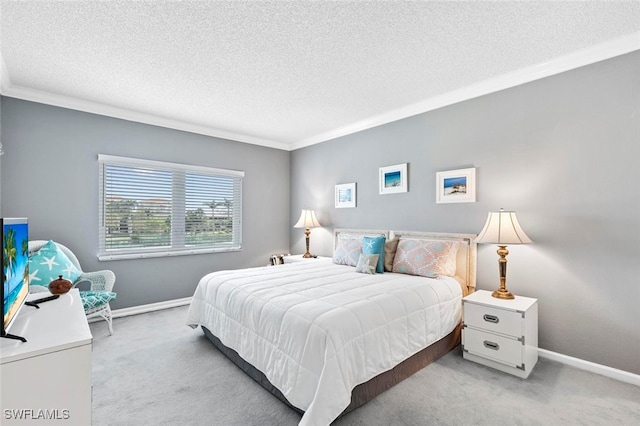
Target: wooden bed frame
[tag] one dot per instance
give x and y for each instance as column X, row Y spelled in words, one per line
column 361, row 394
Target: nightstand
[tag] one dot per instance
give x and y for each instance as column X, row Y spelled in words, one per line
column 293, row 258
column 502, row 334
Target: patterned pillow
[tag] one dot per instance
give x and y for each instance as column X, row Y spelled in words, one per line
column 367, row 263
column 48, row 263
column 375, row 245
column 427, row 258
column 348, row 250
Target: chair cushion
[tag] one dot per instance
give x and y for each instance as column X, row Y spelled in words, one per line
column 94, row 299
column 48, row 263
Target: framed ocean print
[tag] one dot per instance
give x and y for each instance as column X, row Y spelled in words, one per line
column 456, row 186
column 393, row 179
column 345, row 195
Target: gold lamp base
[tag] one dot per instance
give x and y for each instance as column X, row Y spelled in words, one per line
column 307, row 255
column 502, row 292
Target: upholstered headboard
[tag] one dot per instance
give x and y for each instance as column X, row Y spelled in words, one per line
column 363, row 232
column 466, row 257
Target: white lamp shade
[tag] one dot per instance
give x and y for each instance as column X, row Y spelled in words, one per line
column 502, row 228
column 307, row 219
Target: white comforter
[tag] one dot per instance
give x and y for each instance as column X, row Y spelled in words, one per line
column 317, row 329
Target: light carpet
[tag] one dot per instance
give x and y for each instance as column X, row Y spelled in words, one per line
column 155, row 370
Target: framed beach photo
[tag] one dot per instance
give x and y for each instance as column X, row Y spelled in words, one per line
column 393, row 179
column 345, row 195
column 456, row 186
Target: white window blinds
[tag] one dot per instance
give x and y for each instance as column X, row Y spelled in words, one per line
column 152, row 208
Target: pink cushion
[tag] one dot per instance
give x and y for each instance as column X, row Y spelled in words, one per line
column 427, row 258
column 347, row 251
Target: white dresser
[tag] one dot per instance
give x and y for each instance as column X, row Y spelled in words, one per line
column 502, row 334
column 47, row 380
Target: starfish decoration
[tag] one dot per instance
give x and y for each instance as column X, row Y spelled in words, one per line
column 33, row 276
column 50, row 261
column 68, row 270
column 370, row 269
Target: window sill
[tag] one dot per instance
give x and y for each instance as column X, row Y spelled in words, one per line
column 187, row 252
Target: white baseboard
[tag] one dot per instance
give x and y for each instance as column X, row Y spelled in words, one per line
column 143, row 309
column 151, row 307
column 603, row 370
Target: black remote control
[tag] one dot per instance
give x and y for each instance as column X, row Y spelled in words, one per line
column 45, row 299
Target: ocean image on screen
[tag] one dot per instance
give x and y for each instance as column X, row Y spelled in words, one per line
column 392, row 179
column 15, row 246
column 455, row 185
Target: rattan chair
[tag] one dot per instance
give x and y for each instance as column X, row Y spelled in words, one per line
column 100, row 281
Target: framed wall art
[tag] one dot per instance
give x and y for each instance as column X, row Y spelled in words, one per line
column 393, row 179
column 456, row 186
column 345, row 195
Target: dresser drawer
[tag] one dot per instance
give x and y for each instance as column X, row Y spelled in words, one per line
column 492, row 346
column 493, row 319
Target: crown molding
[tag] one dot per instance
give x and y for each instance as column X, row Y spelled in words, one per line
column 27, row 94
column 580, row 58
column 577, row 59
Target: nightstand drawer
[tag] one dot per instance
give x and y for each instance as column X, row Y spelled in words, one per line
column 492, row 346
column 495, row 320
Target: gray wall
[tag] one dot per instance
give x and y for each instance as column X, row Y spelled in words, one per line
column 50, row 175
column 561, row 151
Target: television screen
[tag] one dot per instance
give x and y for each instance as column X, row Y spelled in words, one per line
column 15, row 268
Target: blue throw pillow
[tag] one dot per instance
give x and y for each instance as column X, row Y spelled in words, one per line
column 375, row 245
column 48, row 263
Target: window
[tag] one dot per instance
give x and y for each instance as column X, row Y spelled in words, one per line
column 152, row 208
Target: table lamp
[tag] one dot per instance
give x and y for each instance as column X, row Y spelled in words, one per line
column 502, row 228
column 307, row 220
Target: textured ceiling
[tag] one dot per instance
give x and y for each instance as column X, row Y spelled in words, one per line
column 290, row 74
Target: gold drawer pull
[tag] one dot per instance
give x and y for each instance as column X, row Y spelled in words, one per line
column 491, row 318
column 491, row 345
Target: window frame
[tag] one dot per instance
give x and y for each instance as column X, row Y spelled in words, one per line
column 178, row 210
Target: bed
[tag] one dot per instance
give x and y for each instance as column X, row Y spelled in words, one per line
column 327, row 335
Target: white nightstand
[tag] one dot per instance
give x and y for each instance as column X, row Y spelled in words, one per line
column 502, row 334
column 293, row 258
